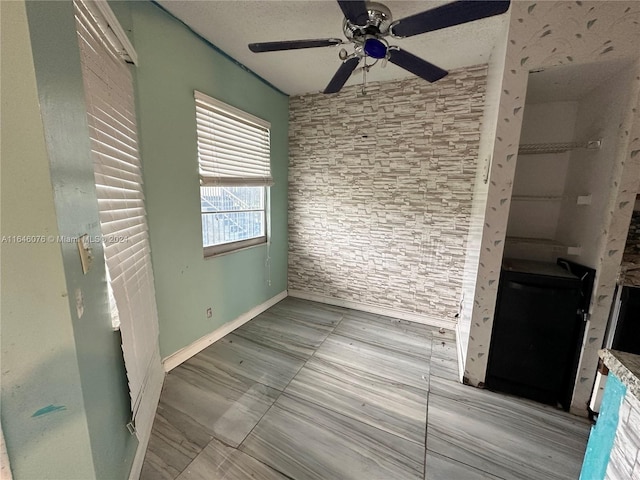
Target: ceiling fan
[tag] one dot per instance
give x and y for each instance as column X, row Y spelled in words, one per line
column 367, row 24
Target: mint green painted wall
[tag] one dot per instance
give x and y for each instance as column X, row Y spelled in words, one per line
column 174, row 62
column 98, row 350
column 39, row 362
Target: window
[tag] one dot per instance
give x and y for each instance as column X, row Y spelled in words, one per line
column 234, row 157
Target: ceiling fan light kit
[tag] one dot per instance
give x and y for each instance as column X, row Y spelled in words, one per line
column 375, row 48
column 366, row 26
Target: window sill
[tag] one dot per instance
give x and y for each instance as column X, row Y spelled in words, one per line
column 233, row 247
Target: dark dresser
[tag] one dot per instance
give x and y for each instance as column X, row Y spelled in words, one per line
column 537, row 331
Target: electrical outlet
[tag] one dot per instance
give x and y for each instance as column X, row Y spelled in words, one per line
column 209, row 312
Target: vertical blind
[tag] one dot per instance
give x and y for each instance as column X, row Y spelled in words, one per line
column 118, row 176
column 233, row 146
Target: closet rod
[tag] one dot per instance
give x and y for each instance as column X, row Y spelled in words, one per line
column 536, row 148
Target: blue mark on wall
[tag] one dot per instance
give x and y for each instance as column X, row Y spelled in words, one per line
column 48, row 409
column 603, row 433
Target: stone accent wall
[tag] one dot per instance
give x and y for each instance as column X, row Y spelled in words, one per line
column 624, row 461
column 380, row 191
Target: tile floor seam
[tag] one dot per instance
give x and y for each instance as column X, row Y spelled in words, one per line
column 262, row 416
column 353, row 368
column 196, row 457
column 360, row 370
column 426, row 430
column 426, row 423
column 198, row 454
column 426, row 433
column 332, row 332
column 467, row 464
column 445, row 415
column 289, row 382
column 295, row 397
column 463, row 463
column 214, row 439
column 266, row 465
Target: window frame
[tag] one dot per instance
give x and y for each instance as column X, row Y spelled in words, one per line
column 231, row 247
column 256, row 173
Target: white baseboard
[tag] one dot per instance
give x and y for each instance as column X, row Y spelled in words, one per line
column 175, row 359
column 366, row 307
column 146, row 415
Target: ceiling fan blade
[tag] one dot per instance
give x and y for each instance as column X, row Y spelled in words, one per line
column 342, row 75
column 355, row 11
column 293, row 44
column 447, row 15
column 416, row 65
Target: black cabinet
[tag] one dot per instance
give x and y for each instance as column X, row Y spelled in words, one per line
column 537, row 332
column 627, row 335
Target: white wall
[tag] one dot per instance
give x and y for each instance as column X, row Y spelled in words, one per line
column 592, row 171
column 612, row 175
column 538, row 176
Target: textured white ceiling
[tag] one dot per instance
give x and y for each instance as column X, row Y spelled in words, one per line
column 571, row 82
column 231, row 25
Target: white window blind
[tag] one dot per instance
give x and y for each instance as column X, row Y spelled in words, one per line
column 118, row 176
column 233, row 146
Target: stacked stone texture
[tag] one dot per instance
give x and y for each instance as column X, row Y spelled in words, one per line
column 380, row 191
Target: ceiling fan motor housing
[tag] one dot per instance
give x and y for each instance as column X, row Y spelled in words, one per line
column 377, row 23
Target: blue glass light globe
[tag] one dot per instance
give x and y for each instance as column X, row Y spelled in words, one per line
column 374, row 48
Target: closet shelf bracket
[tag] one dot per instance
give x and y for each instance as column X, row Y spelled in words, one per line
column 539, row 148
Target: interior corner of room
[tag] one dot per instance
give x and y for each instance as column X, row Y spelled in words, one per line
column 501, row 202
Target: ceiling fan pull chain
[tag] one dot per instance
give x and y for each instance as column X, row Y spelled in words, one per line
column 364, row 76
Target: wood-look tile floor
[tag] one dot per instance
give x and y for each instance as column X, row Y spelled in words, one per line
column 311, row 391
